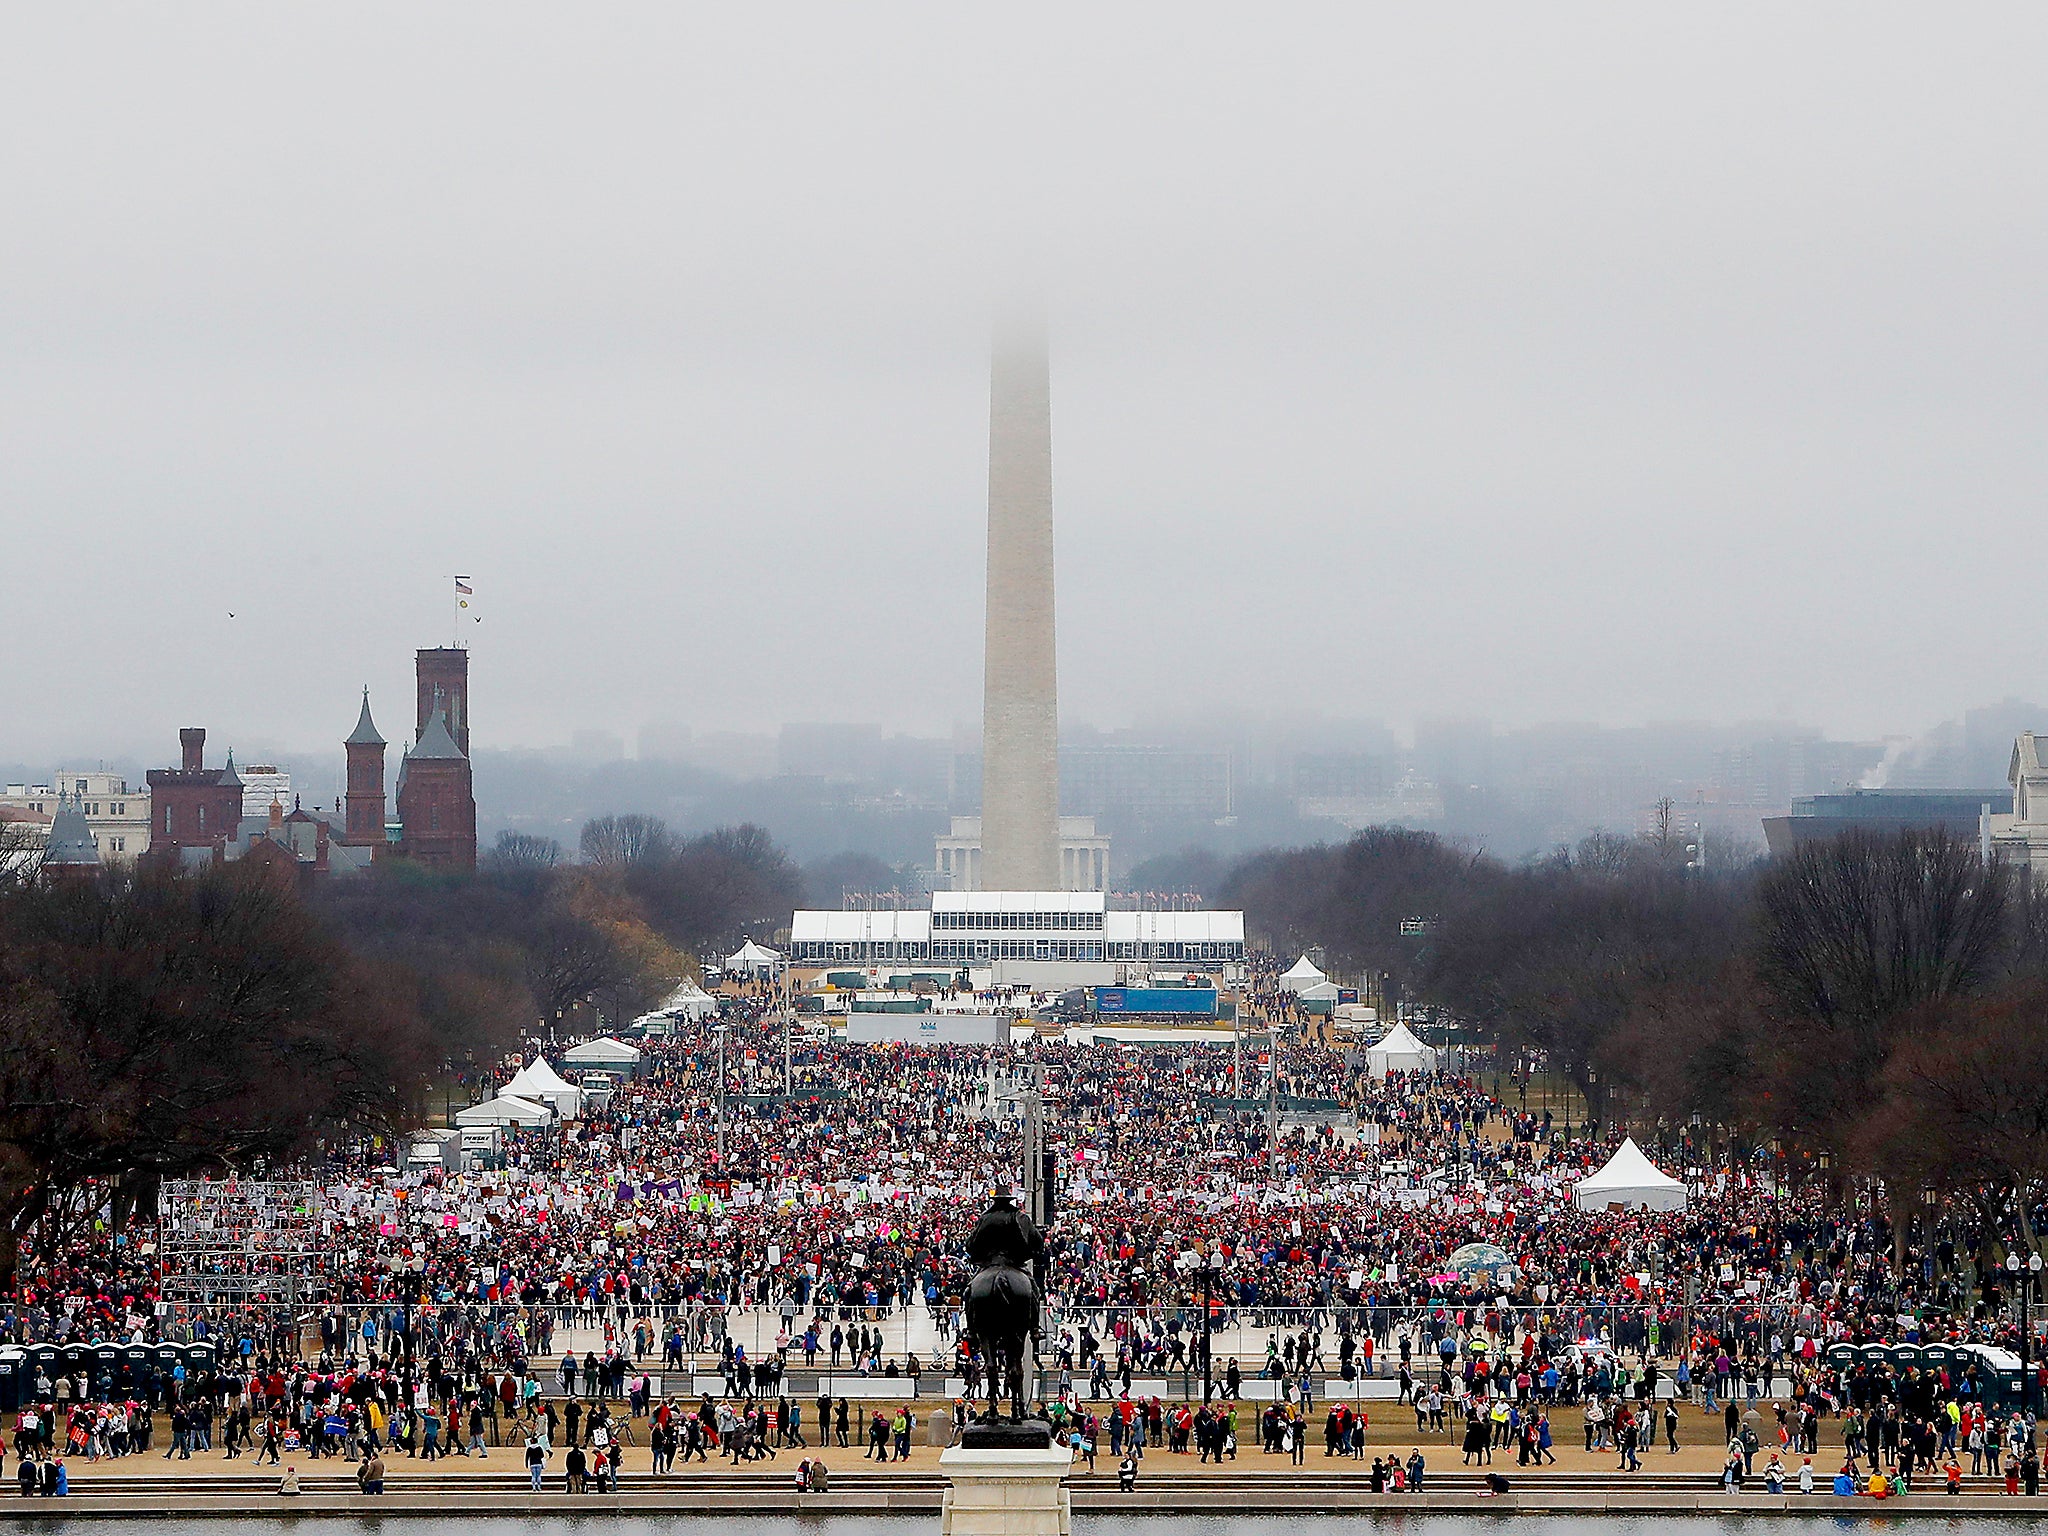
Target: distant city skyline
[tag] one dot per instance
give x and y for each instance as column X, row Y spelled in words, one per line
column 1226, row 785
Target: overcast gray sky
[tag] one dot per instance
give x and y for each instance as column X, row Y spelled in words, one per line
column 1611, row 362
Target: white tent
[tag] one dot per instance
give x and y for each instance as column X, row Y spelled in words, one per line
column 688, row 1001
column 604, row 1055
column 543, row 1084
column 504, row 1110
column 1321, row 992
column 1399, row 1051
column 1630, row 1180
column 1303, row 976
column 754, row 959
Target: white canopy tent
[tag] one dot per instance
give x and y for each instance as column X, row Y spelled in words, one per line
column 506, row 1109
column 1321, row 992
column 1629, row 1180
column 604, row 1055
column 754, row 960
column 1399, row 1051
column 1302, row 976
column 688, row 1001
column 544, row 1085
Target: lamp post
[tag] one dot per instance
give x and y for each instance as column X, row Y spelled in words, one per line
column 1212, row 1262
column 1777, row 1187
column 721, row 1030
column 2027, row 1326
column 2022, row 1278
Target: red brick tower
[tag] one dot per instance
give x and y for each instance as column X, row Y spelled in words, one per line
column 192, row 807
column 363, row 823
column 443, row 688
column 436, row 800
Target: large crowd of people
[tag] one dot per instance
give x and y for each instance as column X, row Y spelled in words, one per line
column 539, row 1300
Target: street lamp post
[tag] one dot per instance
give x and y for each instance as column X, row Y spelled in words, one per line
column 2027, row 1326
column 1212, row 1262
column 721, row 1031
column 2023, row 1278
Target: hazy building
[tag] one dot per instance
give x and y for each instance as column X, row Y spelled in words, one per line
column 116, row 817
column 736, row 754
column 263, row 783
column 1456, row 752
column 844, row 753
column 1083, row 857
column 596, row 747
column 665, row 741
column 2021, row 836
column 1962, row 813
column 1143, row 783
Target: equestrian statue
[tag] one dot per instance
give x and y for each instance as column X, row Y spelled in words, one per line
column 1002, row 1300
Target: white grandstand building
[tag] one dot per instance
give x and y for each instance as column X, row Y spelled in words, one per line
column 978, row 928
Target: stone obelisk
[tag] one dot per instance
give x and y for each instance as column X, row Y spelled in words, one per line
column 1020, row 717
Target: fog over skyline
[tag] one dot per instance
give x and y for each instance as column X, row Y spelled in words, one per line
column 1596, row 363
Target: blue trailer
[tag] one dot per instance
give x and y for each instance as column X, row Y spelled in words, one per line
column 1155, row 1002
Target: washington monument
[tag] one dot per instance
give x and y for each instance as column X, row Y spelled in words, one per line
column 1020, row 716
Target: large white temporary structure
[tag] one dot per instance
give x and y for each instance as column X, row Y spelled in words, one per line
column 544, row 1085
column 506, row 1109
column 688, row 1001
column 1399, row 1051
column 754, row 959
column 1631, row 1181
column 1302, row 975
column 604, row 1055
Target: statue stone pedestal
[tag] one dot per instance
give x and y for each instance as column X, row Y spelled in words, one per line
column 1003, row 1491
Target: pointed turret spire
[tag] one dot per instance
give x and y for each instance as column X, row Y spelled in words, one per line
column 71, row 845
column 365, row 733
column 435, row 741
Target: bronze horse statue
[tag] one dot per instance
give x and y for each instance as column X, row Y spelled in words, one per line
column 1002, row 1299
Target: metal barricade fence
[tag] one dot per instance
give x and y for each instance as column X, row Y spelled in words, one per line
column 1151, row 1340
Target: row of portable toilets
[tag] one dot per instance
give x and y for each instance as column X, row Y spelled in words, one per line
column 119, row 1370
column 1999, row 1370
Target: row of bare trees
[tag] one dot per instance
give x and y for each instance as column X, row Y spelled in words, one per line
column 1879, row 999
column 158, row 1026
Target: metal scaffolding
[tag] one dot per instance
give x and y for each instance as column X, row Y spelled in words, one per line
column 241, row 1252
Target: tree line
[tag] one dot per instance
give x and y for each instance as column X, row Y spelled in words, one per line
column 1877, row 1006
column 160, row 1024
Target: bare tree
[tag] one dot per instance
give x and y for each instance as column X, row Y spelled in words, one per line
column 22, row 845
column 1665, row 840
column 1855, row 932
column 620, row 842
column 522, row 853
